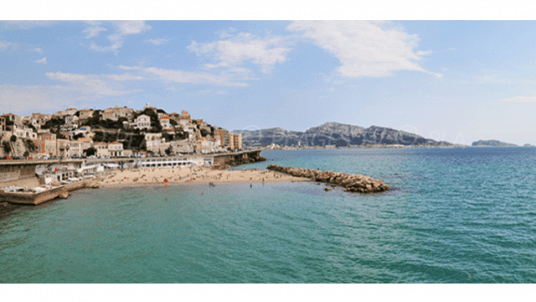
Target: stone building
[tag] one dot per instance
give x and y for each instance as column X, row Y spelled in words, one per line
column 115, row 149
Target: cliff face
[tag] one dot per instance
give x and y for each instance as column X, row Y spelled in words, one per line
column 335, row 134
column 491, row 143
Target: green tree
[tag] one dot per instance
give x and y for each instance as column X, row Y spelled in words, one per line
column 13, row 138
column 91, row 151
column 7, row 147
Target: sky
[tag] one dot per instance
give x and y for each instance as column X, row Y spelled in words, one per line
column 458, row 81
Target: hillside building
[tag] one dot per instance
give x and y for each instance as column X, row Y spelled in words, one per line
column 143, row 122
column 86, row 114
column 115, row 149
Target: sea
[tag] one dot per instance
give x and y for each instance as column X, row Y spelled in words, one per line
column 454, row 215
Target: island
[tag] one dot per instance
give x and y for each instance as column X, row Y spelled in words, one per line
column 492, row 143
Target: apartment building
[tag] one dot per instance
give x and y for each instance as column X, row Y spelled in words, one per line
column 86, row 114
column 71, row 119
column 235, row 141
column 165, row 122
column 15, row 119
column 115, row 149
column 223, row 135
column 143, row 122
column 46, row 143
column 102, row 149
column 75, row 149
column 24, row 132
column 63, row 147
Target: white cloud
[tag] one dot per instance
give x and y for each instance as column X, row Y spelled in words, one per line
column 4, row 45
column 123, row 28
column 365, row 49
column 93, row 31
column 123, row 77
column 158, row 41
column 42, row 61
column 77, row 89
column 520, row 99
column 131, row 27
column 242, row 47
column 94, row 85
column 27, row 99
column 39, row 50
column 179, row 76
column 9, row 25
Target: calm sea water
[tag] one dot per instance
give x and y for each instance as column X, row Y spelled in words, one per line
column 456, row 215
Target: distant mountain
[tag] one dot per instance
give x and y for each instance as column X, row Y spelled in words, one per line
column 527, row 145
column 335, row 134
column 491, row 143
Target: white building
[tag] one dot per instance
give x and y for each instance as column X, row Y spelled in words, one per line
column 115, row 149
column 75, row 149
column 71, row 119
column 83, row 130
column 143, row 122
column 102, row 149
column 24, row 132
column 174, row 161
column 165, row 121
column 154, row 142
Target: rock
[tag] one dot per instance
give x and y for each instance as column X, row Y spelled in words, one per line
column 64, row 195
column 351, row 182
column 327, row 189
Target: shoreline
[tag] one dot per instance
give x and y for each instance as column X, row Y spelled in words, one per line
column 158, row 175
column 202, row 175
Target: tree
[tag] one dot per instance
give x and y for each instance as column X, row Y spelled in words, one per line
column 26, row 153
column 30, row 145
column 168, row 151
column 91, row 151
column 13, row 138
column 7, row 147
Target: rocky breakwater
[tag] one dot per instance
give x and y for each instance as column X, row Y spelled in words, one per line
column 351, row 182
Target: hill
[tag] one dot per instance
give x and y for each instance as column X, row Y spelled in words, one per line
column 335, row 134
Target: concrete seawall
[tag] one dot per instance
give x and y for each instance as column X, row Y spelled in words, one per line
column 33, row 198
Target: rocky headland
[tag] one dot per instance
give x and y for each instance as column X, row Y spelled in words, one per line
column 492, row 143
column 351, row 182
column 238, row 160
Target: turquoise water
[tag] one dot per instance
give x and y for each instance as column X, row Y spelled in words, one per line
column 455, row 215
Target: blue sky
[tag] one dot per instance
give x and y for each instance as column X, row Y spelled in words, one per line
column 458, row 81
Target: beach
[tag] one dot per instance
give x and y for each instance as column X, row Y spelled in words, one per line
column 196, row 175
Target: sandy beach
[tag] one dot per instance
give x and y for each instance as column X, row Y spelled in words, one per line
column 188, row 175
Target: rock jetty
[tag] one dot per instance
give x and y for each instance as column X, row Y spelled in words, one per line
column 351, row 182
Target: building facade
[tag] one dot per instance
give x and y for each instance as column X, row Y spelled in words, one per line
column 143, row 122
column 115, row 149
column 86, row 114
column 102, row 149
column 235, row 141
